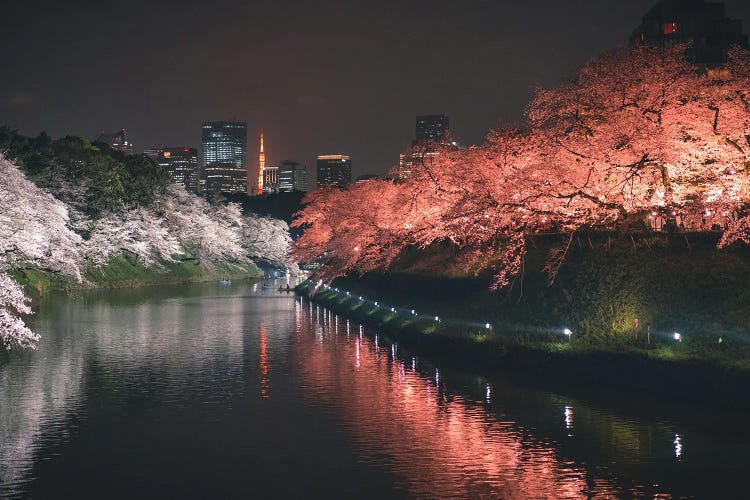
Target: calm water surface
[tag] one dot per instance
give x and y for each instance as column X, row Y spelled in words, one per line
column 203, row 391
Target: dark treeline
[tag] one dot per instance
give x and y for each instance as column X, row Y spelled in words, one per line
column 90, row 177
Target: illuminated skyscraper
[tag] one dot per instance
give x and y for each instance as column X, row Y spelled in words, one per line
column 430, row 129
column 292, row 177
column 334, row 171
column 223, row 157
column 271, row 179
column 182, row 164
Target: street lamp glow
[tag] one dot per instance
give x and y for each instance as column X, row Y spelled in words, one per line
column 488, row 326
column 677, row 337
column 437, row 319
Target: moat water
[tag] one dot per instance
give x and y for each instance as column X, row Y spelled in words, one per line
column 204, row 391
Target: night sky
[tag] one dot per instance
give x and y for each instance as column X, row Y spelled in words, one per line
column 319, row 77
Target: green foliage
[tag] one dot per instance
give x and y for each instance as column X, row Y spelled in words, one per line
column 122, row 271
column 92, row 178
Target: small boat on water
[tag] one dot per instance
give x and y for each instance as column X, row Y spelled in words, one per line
column 267, row 286
column 225, row 282
column 287, row 289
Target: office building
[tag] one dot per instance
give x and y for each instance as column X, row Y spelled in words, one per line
column 334, row 171
column 182, row 165
column 292, row 177
column 118, row 141
column 271, row 179
column 407, row 162
column 153, row 153
column 434, row 128
column 223, row 157
column 431, row 129
column 701, row 24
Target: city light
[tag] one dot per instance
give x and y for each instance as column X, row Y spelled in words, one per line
column 488, row 326
column 678, row 337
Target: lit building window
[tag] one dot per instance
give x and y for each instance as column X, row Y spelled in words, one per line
column 669, row 28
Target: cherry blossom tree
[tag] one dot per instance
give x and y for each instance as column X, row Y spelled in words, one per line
column 640, row 131
column 34, row 231
column 140, row 232
column 211, row 233
column 13, row 302
column 267, row 239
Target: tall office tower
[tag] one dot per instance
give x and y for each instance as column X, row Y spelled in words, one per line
column 334, row 171
column 261, row 168
column 223, row 157
column 118, row 141
column 182, row 164
column 271, row 179
column 292, row 177
column 702, row 25
column 432, row 128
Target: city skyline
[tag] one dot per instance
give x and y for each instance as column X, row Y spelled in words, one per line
column 359, row 96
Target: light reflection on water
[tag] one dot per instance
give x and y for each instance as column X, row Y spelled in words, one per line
column 199, row 391
column 439, row 444
column 504, row 441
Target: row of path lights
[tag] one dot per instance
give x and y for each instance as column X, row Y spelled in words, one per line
column 413, row 312
column 488, row 326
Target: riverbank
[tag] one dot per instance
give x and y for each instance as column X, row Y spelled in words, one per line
column 123, row 272
column 659, row 372
column 609, row 295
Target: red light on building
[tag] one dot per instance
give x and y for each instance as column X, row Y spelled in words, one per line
column 669, row 28
column 186, row 150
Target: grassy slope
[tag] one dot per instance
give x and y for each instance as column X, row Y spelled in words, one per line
column 124, row 272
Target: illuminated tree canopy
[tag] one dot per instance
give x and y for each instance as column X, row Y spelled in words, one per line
column 641, row 132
